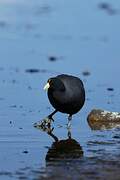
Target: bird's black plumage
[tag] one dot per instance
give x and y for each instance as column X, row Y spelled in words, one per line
column 66, row 93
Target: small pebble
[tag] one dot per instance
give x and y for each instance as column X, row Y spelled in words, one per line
column 52, row 58
column 32, row 70
column 116, row 136
column 104, row 5
column 110, row 89
column 25, row 152
column 86, row 73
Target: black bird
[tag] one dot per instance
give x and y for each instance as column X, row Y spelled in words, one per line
column 66, row 93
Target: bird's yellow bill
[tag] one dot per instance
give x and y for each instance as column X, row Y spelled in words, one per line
column 46, row 87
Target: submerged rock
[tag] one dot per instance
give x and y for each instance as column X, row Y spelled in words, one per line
column 52, row 58
column 99, row 119
column 32, row 70
column 86, row 73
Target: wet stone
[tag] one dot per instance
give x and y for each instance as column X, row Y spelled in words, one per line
column 25, row 152
column 86, row 73
column 116, row 136
column 32, row 70
column 104, row 5
column 99, row 119
column 110, row 89
column 52, row 58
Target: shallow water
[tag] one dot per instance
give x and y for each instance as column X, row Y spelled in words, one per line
column 39, row 39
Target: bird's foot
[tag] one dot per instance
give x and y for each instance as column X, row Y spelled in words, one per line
column 49, row 130
column 44, row 124
column 50, row 118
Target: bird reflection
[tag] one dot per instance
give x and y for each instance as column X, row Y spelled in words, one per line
column 65, row 149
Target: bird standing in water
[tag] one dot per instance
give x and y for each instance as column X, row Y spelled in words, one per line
column 66, row 93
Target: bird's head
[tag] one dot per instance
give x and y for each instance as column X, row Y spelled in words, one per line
column 54, row 84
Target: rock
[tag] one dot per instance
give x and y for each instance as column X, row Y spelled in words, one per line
column 86, row 73
column 99, row 119
column 52, row 58
column 25, row 152
column 32, row 70
column 110, row 89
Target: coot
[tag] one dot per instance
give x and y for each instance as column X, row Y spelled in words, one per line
column 66, row 93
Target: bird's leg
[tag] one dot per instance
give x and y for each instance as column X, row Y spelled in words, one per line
column 53, row 136
column 46, row 122
column 69, row 121
column 51, row 115
column 69, row 133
